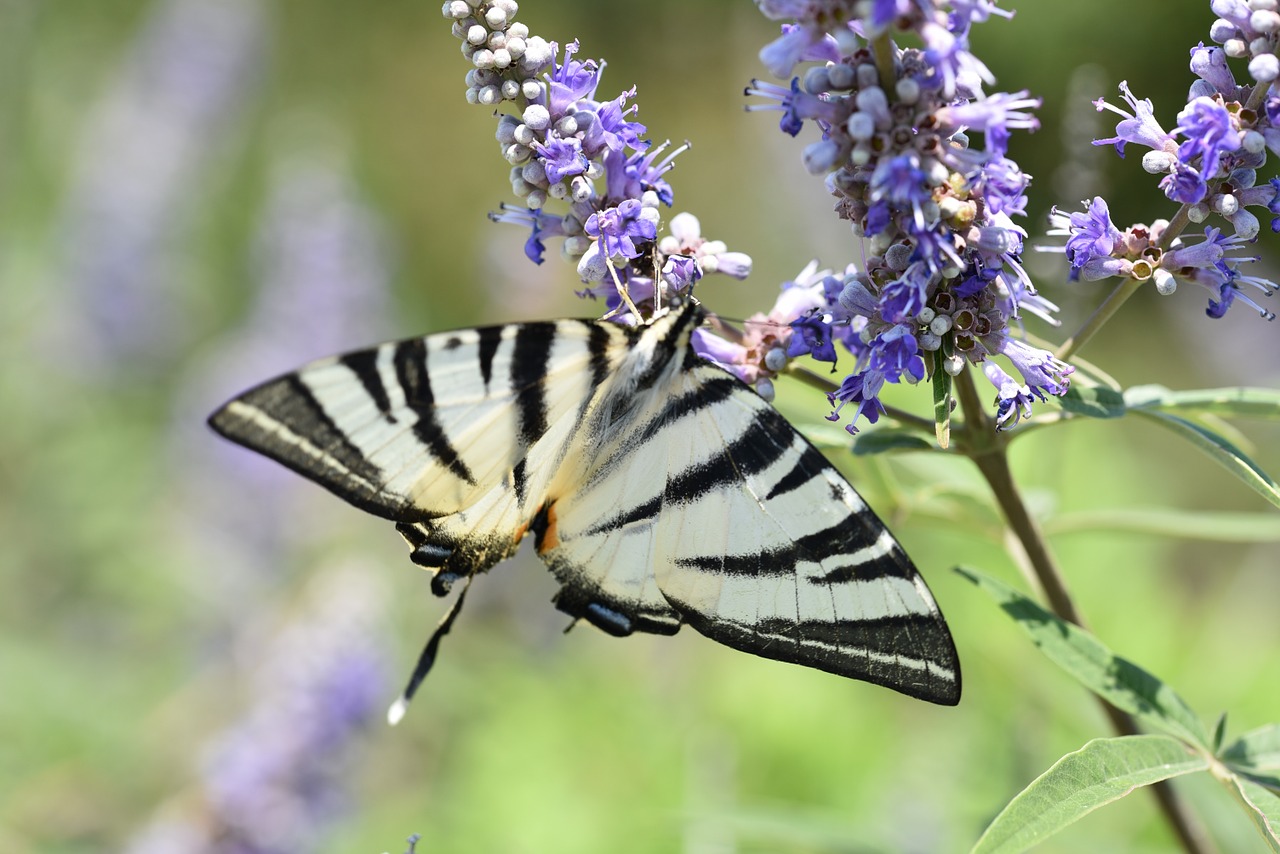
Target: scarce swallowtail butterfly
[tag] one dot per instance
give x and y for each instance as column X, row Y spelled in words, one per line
column 658, row 488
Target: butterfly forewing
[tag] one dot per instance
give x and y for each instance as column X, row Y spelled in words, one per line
column 659, row 489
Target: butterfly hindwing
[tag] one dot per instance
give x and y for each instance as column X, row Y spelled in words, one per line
column 732, row 522
column 658, row 488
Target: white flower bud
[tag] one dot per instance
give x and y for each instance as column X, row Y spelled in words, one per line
column 456, row 9
column 537, row 117
column 841, row 76
column 1157, row 162
column 1264, row 68
column 495, row 17
column 1246, row 225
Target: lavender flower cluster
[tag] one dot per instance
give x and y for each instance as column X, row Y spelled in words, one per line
column 1208, row 163
column 941, row 285
column 566, row 146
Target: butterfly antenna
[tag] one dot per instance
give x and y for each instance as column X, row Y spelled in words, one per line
column 427, row 659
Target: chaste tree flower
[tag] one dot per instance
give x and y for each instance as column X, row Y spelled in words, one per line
column 571, row 150
column 943, row 285
column 1208, row 162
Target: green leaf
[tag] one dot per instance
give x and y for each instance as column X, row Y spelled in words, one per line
column 941, row 401
column 1263, row 807
column 1097, row 402
column 1122, row 683
column 885, row 439
column 1236, row 402
column 1178, row 524
column 1222, row 451
column 825, row 434
column 1256, row 750
column 1103, row 771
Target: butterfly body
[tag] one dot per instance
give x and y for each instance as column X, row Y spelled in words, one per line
column 658, row 489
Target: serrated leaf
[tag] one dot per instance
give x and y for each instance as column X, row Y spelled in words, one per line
column 882, row 440
column 1228, row 402
column 1121, row 682
column 1103, row 771
column 1263, row 807
column 941, row 401
column 1096, row 402
column 1220, row 450
column 1179, row 524
column 1256, row 750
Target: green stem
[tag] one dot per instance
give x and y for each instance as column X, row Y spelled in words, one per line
column 992, row 459
column 1100, row 316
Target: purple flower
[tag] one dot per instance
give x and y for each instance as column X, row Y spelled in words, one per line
column 571, row 81
column 1040, row 369
column 860, row 390
column 612, row 128
column 904, row 298
column 561, row 158
column 902, row 184
column 541, row 225
column 798, row 106
column 1210, row 65
column 812, row 337
column 140, row 170
column 796, row 44
column 896, row 354
column 619, row 228
column 995, row 116
column 680, row 272
column 1210, row 133
column 1184, row 184
column 1013, row 399
column 1091, row 234
column 1139, row 127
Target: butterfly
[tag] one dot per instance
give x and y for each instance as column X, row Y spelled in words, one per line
column 658, row 489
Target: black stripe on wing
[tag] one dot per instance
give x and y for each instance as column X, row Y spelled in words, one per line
column 528, row 373
column 282, row 420
column 364, row 364
column 414, row 375
column 913, row 654
column 759, row 446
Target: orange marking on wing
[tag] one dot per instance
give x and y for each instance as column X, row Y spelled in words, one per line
column 550, row 538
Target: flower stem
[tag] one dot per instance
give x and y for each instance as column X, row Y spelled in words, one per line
column 992, row 460
column 1098, row 319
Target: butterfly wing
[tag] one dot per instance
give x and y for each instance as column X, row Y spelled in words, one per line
column 712, row 510
column 435, row 432
column 660, row 490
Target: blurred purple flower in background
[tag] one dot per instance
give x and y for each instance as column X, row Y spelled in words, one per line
column 142, row 167
column 275, row 780
column 322, row 269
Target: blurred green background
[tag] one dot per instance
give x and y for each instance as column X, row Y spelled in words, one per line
column 197, row 194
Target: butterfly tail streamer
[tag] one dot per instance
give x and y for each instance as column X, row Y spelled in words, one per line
column 428, row 658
